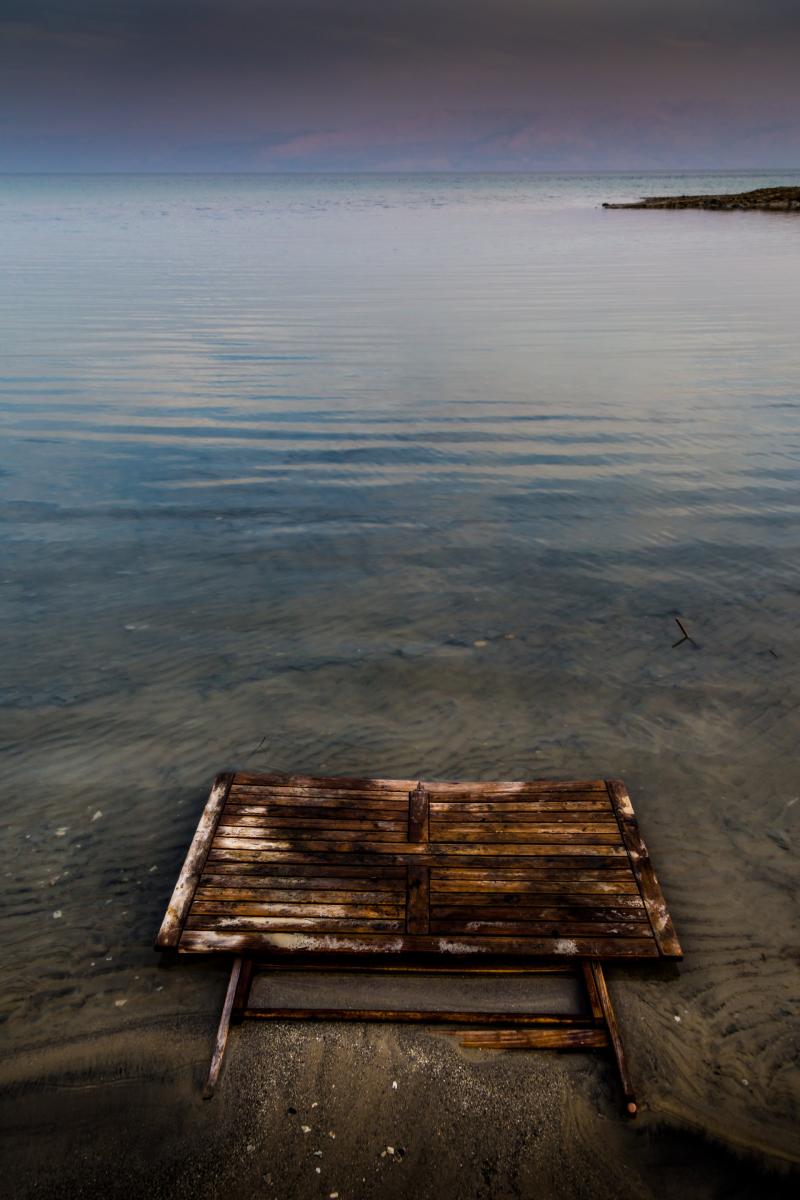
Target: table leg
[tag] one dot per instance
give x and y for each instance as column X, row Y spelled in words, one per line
column 222, row 1031
column 601, row 996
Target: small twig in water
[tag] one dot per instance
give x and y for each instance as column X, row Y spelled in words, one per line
column 686, row 637
column 266, row 768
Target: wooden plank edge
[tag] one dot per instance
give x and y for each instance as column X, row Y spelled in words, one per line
column 344, row 782
column 534, row 1039
column 279, row 943
column 183, row 893
column 600, row 992
column 443, row 786
column 221, row 1039
column 427, row 1016
column 642, row 867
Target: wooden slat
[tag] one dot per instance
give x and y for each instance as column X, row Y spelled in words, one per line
column 413, row 849
column 472, row 876
column 338, row 833
column 278, row 924
column 559, row 927
column 598, row 805
column 433, row 856
column 445, row 788
column 207, row 941
column 274, row 908
column 192, row 868
column 317, row 783
column 511, row 787
column 535, row 1039
column 417, row 965
column 324, row 821
column 216, row 895
column 513, row 890
column 326, row 845
column 529, row 834
column 275, row 886
column 256, row 802
column 522, row 821
column 538, row 912
column 663, row 929
column 334, row 811
column 310, row 871
column 466, row 908
column 429, row 1016
column 559, row 821
column 517, row 852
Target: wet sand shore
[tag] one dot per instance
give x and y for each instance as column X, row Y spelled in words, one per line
column 457, row 1124
column 306, row 1110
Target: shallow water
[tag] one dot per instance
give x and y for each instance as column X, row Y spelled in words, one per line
column 396, row 476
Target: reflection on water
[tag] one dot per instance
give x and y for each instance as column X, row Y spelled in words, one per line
column 389, row 476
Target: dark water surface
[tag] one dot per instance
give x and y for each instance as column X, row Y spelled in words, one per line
column 397, row 476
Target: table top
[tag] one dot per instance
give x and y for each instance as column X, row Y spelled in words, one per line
column 283, row 864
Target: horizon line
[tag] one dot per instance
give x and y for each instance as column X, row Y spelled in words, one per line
column 417, row 171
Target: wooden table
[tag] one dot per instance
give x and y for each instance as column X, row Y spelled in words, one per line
column 390, row 874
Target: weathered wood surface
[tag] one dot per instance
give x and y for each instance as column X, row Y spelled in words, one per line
column 211, row 941
column 285, row 864
column 175, row 916
column 534, row 1039
column 599, row 998
column 656, row 905
column 418, row 808
column 435, row 1016
column 224, row 1025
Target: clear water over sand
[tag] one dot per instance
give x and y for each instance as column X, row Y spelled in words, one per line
column 395, row 476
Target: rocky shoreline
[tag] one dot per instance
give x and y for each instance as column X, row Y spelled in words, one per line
column 775, row 199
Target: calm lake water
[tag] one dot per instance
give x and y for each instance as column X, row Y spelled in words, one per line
column 394, row 476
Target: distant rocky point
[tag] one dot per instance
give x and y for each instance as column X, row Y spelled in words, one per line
column 775, row 199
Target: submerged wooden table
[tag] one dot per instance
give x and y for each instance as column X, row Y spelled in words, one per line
column 396, row 874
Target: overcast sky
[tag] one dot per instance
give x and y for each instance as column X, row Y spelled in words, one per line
column 398, row 84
